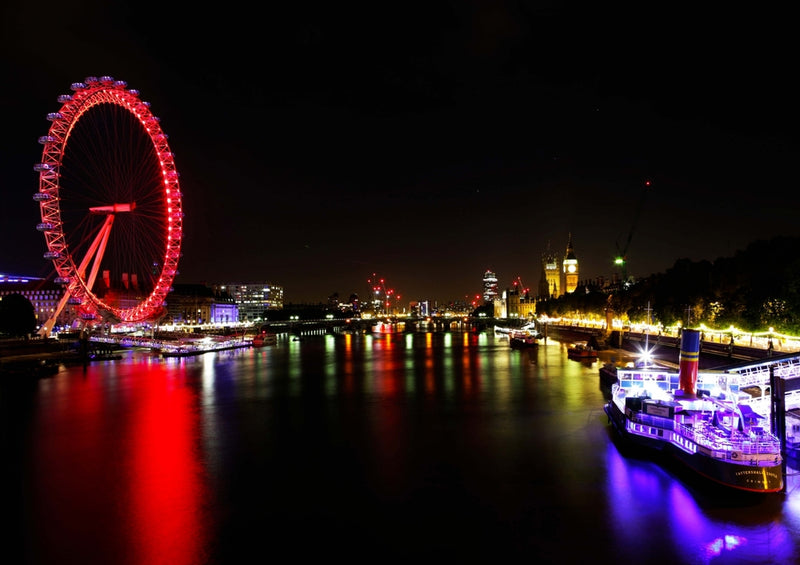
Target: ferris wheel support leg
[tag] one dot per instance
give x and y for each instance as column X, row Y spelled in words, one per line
column 99, row 241
column 47, row 327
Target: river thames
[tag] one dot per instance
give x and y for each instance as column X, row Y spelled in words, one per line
column 368, row 448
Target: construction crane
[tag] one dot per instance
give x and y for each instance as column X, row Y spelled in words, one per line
column 621, row 259
column 520, row 287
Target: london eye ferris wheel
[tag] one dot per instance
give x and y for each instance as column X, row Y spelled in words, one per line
column 110, row 204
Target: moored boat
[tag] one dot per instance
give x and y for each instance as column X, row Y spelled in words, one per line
column 705, row 427
column 526, row 336
column 581, row 351
column 608, row 370
column 521, row 340
column 509, row 331
column 264, row 338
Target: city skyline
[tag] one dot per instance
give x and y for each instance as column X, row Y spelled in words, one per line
column 429, row 147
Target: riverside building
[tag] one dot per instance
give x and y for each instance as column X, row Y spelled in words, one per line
column 253, row 299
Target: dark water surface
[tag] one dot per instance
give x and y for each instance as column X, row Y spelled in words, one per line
column 451, row 447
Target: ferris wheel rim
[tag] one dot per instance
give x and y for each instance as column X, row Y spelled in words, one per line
column 92, row 92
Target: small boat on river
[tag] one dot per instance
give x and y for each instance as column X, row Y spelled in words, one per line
column 509, row 331
column 526, row 336
column 264, row 338
column 710, row 427
column 581, row 351
column 521, row 340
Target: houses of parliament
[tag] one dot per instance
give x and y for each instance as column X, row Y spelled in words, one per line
column 559, row 276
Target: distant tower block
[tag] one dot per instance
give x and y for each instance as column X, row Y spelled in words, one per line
column 570, row 269
column 489, row 287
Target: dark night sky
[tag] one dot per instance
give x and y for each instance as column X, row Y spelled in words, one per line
column 426, row 142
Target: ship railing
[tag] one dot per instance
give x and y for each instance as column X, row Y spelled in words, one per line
column 752, row 442
column 700, row 435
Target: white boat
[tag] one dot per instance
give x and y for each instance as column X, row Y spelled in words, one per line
column 525, row 336
column 527, row 327
column 700, row 421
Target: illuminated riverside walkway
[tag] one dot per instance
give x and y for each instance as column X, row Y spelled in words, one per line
column 187, row 340
column 202, row 337
column 194, row 340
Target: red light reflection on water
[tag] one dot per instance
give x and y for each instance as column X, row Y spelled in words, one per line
column 430, row 372
column 167, row 490
column 388, row 386
column 348, row 365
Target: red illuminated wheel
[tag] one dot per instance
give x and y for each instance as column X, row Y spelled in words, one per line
column 110, row 203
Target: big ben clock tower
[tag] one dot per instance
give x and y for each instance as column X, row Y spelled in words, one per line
column 570, row 268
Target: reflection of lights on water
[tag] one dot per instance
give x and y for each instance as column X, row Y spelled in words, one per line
column 643, row 498
column 726, row 543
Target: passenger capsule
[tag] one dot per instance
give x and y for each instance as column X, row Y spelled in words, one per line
column 120, row 83
column 61, row 280
column 76, row 86
column 46, row 139
column 42, row 196
column 90, row 80
column 39, row 167
column 133, row 91
column 64, row 98
column 44, row 226
column 106, row 79
column 52, row 255
column 53, row 116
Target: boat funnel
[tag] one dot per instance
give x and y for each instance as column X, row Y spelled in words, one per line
column 689, row 360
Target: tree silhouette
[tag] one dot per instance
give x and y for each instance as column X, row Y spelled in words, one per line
column 17, row 316
column 757, row 288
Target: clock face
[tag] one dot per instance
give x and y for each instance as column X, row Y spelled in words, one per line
column 571, row 268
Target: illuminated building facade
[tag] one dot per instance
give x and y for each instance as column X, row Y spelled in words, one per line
column 551, row 280
column 557, row 280
column 489, row 287
column 570, row 269
column 200, row 304
column 253, row 299
column 515, row 303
